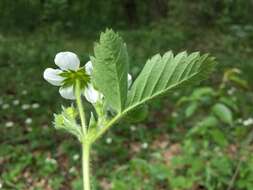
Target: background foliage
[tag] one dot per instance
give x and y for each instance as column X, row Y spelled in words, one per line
column 199, row 138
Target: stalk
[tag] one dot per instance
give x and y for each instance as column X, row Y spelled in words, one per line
column 80, row 106
column 85, row 142
column 85, row 165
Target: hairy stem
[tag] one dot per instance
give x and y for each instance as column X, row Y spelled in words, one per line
column 85, row 165
column 80, row 106
column 85, row 143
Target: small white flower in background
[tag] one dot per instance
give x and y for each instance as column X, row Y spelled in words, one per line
column 174, row 114
column 133, row 128
column 25, row 106
column 108, row 140
column 28, row 121
column 144, row 145
column 51, row 161
column 176, row 94
column 231, row 91
column 76, row 157
column 248, row 122
column 9, row 124
column 15, row 102
column 68, row 61
column 24, row 92
column 1, row 185
column 5, row 106
column 35, row 105
column 240, row 120
column 72, row 170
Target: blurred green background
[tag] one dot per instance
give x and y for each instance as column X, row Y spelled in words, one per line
column 196, row 139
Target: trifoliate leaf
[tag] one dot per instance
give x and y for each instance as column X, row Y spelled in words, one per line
column 223, row 113
column 111, row 68
column 162, row 74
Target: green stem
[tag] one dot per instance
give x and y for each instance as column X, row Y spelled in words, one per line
column 85, row 163
column 85, row 143
column 118, row 117
column 80, row 106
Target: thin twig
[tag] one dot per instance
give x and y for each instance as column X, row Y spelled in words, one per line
column 243, row 144
column 232, row 181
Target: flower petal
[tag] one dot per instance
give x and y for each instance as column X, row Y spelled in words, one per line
column 92, row 95
column 88, row 67
column 67, row 92
column 52, row 76
column 129, row 80
column 67, row 61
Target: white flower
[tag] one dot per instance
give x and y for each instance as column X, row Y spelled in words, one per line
column 108, row 140
column 69, row 61
column 25, row 106
column 5, row 106
column 239, row 120
column 28, row 120
column 174, row 114
column 76, row 157
column 248, row 122
column 133, row 128
column 9, row 124
column 1, row 185
column 35, row 105
column 24, row 92
column 144, row 145
column 15, row 102
column 51, row 161
column 72, row 170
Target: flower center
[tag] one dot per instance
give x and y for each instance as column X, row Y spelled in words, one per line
column 70, row 78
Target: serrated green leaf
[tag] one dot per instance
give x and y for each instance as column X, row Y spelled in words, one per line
column 223, row 113
column 162, row 74
column 111, row 68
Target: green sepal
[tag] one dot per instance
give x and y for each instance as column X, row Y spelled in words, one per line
column 67, row 121
column 70, row 78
